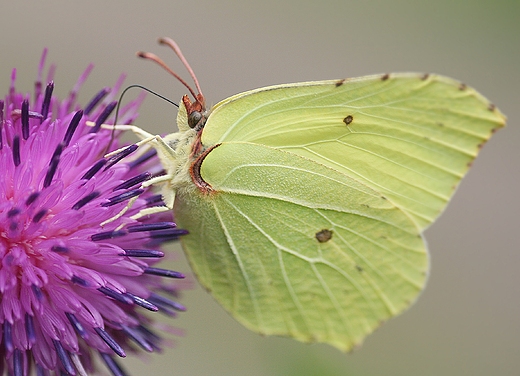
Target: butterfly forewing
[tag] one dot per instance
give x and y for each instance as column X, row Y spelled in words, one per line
column 409, row 137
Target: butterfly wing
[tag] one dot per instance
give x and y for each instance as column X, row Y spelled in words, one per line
column 319, row 193
column 411, row 137
column 292, row 247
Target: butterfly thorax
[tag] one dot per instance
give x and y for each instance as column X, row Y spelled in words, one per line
column 185, row 148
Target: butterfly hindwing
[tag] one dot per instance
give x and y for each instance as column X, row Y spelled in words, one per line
column 292, row 247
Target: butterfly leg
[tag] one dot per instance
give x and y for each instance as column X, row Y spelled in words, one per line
column 162, row 147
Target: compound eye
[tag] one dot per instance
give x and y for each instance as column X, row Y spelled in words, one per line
column 194, row 118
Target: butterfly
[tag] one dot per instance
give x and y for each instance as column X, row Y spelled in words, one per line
column 306, row 203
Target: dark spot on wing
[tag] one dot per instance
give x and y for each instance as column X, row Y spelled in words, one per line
column 323, row 235
column 425, row 76
column 348, row 119
column 359, row 268
column 340, row 82
column 462, row 86
column 491, row 107
column 385, row 77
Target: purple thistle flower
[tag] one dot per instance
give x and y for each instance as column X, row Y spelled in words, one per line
column 77, row 271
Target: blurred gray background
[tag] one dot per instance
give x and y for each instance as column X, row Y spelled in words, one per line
column 467, row 321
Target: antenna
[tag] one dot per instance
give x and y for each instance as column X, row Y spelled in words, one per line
column 175, row 47
column 142, row 88
column 199, row 97
column 119, row 105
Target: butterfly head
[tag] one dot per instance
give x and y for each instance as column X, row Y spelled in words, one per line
column 196, row 111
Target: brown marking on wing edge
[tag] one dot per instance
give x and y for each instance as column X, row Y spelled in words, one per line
column 340, row 82
column 196, row 177
column 385, row 77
